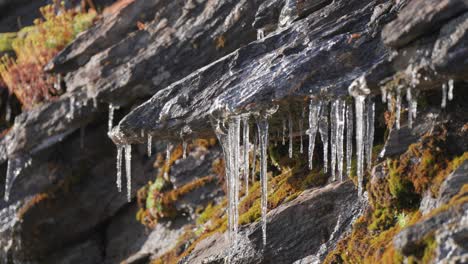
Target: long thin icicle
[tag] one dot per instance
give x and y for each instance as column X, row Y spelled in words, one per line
column 254, row 154
column 290, row 126
column 340, row 127
column 333, row 138
column 349, row 138
column 184, row 149
column 370, row 131
column 234, row 140
column 168, row 161
column 359, row 101
column 409, row 99
column 323, row 128
column 450, row 89
column 246, row 145
column 398, row 107
column 301, row 131
column 283, row 138
column 444, row 96
column 263, row 135
column 111, row 118
column 149, row 144
column 119, row 167
column 314, row 110
column 128, row 168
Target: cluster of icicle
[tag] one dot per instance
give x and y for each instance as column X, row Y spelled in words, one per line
column 236, row 151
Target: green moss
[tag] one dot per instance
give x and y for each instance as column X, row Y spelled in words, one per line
column 6, row 41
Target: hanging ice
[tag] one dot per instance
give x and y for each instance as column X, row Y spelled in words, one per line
column 314, row 110
column 359, row 90
column 340, row 128
column 444, row 96
column 360, row 132
column 111, row 118
column 119, row 167
column 290, row 128
column 283, row 138
column 168, row 161
column 234, row 140
column 254, row 154
column 369, row 131
column 323, row 129
column 333, row 138
column 184, row 149
column 349, row 138
column 262, row 125
column 398, row 107
column 384, row 94
column 409, row 99
column 95, row 102
column 260, row 34
column 246, row 144
column 301, row 130
column 128, row 168
column 71, row 113
column 450, row 90
column 14, row 168
column 149, row 144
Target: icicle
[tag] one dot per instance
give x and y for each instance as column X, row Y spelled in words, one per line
column 263, row 135
column 301, row 131
column 340, row 127
column 111, row 118
column 234, row 140
column 184, row 149
column 360, row 133
column 8, row 109
column 333, row 138
column 384, row 94
column 168, row 161
column 370, row 131
column 323, row 129
column 72, row 107
column 290, row 123
column 349, row 138
column 128, row 167
column 119, row 167
column 314, row 110
column 245, row 138
column 450, row 91
column 224, row 140
column 409, row 99
column 149, row 144
column 283, row 140
column 14, row 168
column 95, row 102
column 398, row 107
column 444, row 96
column 389, row 101
column 82, row 136
column 260, row 34
column 254, row 154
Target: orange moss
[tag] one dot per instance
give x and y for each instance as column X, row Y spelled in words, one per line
column 31, row 203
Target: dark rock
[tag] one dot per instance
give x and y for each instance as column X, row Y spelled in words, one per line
column 420, row 17
column 334, row 208
column 90, row 251
column 291, row 64
column 452, row 185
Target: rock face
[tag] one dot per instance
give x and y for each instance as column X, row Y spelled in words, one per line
column 325, row 215
column 175, row 67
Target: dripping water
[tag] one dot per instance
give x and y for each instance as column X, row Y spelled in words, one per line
column 450, row 90
column 128, row 167
column 444, row 96
column 111, row 118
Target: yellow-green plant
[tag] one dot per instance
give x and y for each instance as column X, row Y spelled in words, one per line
column 34, row 47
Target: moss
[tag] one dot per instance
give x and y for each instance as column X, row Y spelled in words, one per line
column 6, row 41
